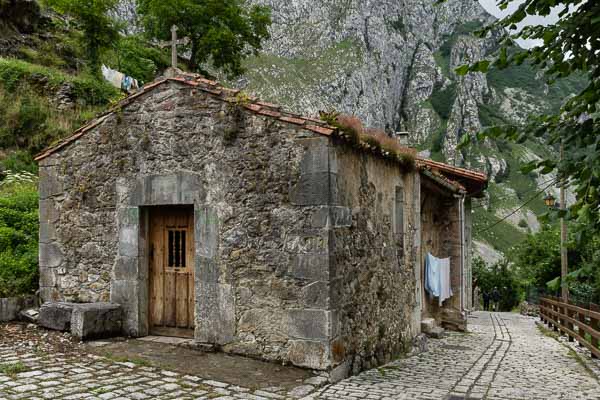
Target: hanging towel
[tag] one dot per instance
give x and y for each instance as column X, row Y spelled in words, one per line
column 437, row 277
column 432, row 275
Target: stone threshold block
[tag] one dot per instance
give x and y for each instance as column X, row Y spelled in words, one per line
column 84, row 320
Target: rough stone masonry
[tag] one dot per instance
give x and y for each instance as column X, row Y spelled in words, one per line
column 306, row 250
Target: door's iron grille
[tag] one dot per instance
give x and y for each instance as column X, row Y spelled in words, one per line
column 176, row 249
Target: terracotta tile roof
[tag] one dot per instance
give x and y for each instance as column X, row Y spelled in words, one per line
column 477, row 180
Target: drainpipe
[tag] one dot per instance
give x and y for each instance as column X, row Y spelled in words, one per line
column 461, row 220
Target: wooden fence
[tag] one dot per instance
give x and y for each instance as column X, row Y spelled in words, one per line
column 577, row 322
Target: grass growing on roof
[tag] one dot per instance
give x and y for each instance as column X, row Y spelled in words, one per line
column 351, row 129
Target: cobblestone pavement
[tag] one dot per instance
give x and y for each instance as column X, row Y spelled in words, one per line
column 504, row 356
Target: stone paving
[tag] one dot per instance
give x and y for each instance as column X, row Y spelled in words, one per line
column 504, row 356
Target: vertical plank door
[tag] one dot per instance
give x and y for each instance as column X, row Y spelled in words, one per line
column 172, row 271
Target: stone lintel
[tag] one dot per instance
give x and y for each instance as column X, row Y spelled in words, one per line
column 177, row 188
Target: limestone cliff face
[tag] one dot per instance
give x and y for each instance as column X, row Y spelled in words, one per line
column 369, row 58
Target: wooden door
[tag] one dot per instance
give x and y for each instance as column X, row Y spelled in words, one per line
column 172, row 271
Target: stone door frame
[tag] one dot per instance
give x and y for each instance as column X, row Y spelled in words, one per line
column 215, row 305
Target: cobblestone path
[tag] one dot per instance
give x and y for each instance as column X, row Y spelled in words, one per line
column 504, row 356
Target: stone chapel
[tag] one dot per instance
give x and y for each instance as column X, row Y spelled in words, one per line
column 209, row 214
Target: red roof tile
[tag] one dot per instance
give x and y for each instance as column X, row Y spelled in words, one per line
column 292, row 120
column 253, row 107
column 320, row 129
column 270, row 113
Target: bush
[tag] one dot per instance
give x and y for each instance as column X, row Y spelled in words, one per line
column 18, row 235
column 19, row 160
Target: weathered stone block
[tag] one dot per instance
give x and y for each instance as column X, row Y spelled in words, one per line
column 316, row 295
column 215, row 313
column 56, row 316
column 308, row 324
column 331, row 217
column 313, row 267
column 316, row 156
column 309, row 354
column 127, row 294
column 126, row 268
column 96, row 320
column 315, row 188
column 47, row 232
column 11, row 306
column 182, row 188
column 47, row 277
column 207, row 231
column 50, row 255
column 49, row 184
column 129, row 231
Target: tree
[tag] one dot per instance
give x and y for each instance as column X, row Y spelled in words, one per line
column 568, row 47
column 500, row 276
column 100, row 30
column 223, row 32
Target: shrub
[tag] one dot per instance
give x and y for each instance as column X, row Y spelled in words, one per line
column 19, row 160
column 18, row 235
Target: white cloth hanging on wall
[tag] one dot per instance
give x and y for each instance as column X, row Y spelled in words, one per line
column 437, row 277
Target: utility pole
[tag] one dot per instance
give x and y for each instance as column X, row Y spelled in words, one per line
column 564, row 267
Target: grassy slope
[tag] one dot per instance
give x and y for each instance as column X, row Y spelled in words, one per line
column 47, row 61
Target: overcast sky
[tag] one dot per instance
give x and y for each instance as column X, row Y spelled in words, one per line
column 490, row 6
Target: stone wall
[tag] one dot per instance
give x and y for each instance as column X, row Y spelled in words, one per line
column 262, row 262
column 374, row 259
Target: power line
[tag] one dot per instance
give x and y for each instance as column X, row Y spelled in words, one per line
column 519, row 208
column 483, row 205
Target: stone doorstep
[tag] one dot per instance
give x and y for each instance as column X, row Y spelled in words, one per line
column 167, row 340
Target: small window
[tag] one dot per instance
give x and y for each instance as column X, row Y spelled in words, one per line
column 176, row 248
column 399, row 214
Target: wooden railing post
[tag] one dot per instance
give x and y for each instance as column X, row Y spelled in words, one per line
column 570, row 314
column 595, row 325
column 556, row 318
column 582, row 319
